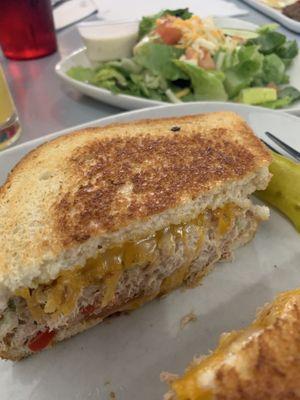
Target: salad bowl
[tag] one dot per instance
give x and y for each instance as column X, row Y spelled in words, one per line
column 129, row 102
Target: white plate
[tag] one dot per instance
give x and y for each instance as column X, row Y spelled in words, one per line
column 275, row 14
column 133, row 102
column 127, row 354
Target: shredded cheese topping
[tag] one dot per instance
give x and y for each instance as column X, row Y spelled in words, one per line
column 197, row 31
column 200, row 35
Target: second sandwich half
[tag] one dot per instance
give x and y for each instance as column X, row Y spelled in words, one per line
column 103, row 220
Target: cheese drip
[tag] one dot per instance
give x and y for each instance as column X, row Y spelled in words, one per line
column 61, row 296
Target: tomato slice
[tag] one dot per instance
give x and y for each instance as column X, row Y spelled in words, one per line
column 41, row 340
column 88, row 309
column 169, row 34
column 207, row 62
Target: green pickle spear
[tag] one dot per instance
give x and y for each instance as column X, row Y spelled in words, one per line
column 283, row 191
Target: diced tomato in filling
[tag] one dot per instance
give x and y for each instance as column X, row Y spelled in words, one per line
column 41, row 340
column 88, row 309
column 169, row 34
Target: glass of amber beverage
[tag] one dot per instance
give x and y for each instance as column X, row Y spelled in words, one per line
column 9, row 122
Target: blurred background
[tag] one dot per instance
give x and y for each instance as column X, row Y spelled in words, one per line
column 36, row 34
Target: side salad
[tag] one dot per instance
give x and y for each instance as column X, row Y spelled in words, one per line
column 180, row 57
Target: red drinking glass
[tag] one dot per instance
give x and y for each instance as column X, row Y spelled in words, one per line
column 26, row 29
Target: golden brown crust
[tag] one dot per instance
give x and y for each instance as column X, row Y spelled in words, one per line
column 272, row 363
column 159, row 172
column 98, row 180
column 156, row 172
column 267, row 366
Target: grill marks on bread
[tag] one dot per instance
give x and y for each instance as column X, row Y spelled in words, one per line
column 94, row 182
column 125, row 178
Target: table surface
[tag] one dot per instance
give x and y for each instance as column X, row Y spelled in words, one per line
column 46, row 105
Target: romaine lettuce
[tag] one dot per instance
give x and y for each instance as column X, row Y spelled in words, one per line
column 82, row 74
column 156, row 71
column 158, row 59
column 273, row 70
column 289, row 91
column 206, row 85
column 242, row 74
column 268, row 41
column 279, row 103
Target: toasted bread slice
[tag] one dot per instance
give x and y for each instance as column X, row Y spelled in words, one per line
column 107, row 215
column 257, row 363
column 96, row 186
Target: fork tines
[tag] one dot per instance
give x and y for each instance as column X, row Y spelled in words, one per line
column 270, row 147
column 294, row 153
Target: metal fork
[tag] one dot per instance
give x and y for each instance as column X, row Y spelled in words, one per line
column 290, row 150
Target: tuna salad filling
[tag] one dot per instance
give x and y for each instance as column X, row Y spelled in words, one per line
column 124, row 277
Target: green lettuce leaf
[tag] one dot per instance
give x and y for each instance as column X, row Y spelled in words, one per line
column 268, row 41
column 109, row 78
column 279, row 103
column 267, row 28
column 273, row 69
column 125, row 66
column 206, row 85
column 109, row 74
column 82, row 74
column 182, row 13
column 289, row 91
column 288, row 51
column 272, row 42
column 158, row 59
column 151, row 91
column 104, row 76
column 243, row 73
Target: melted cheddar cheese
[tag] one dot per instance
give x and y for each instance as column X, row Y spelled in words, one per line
column 189, row 387
column 61, row 296
column 224, row 218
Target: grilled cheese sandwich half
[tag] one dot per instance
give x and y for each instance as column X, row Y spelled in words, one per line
column 105, row 219
column 256, row 363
